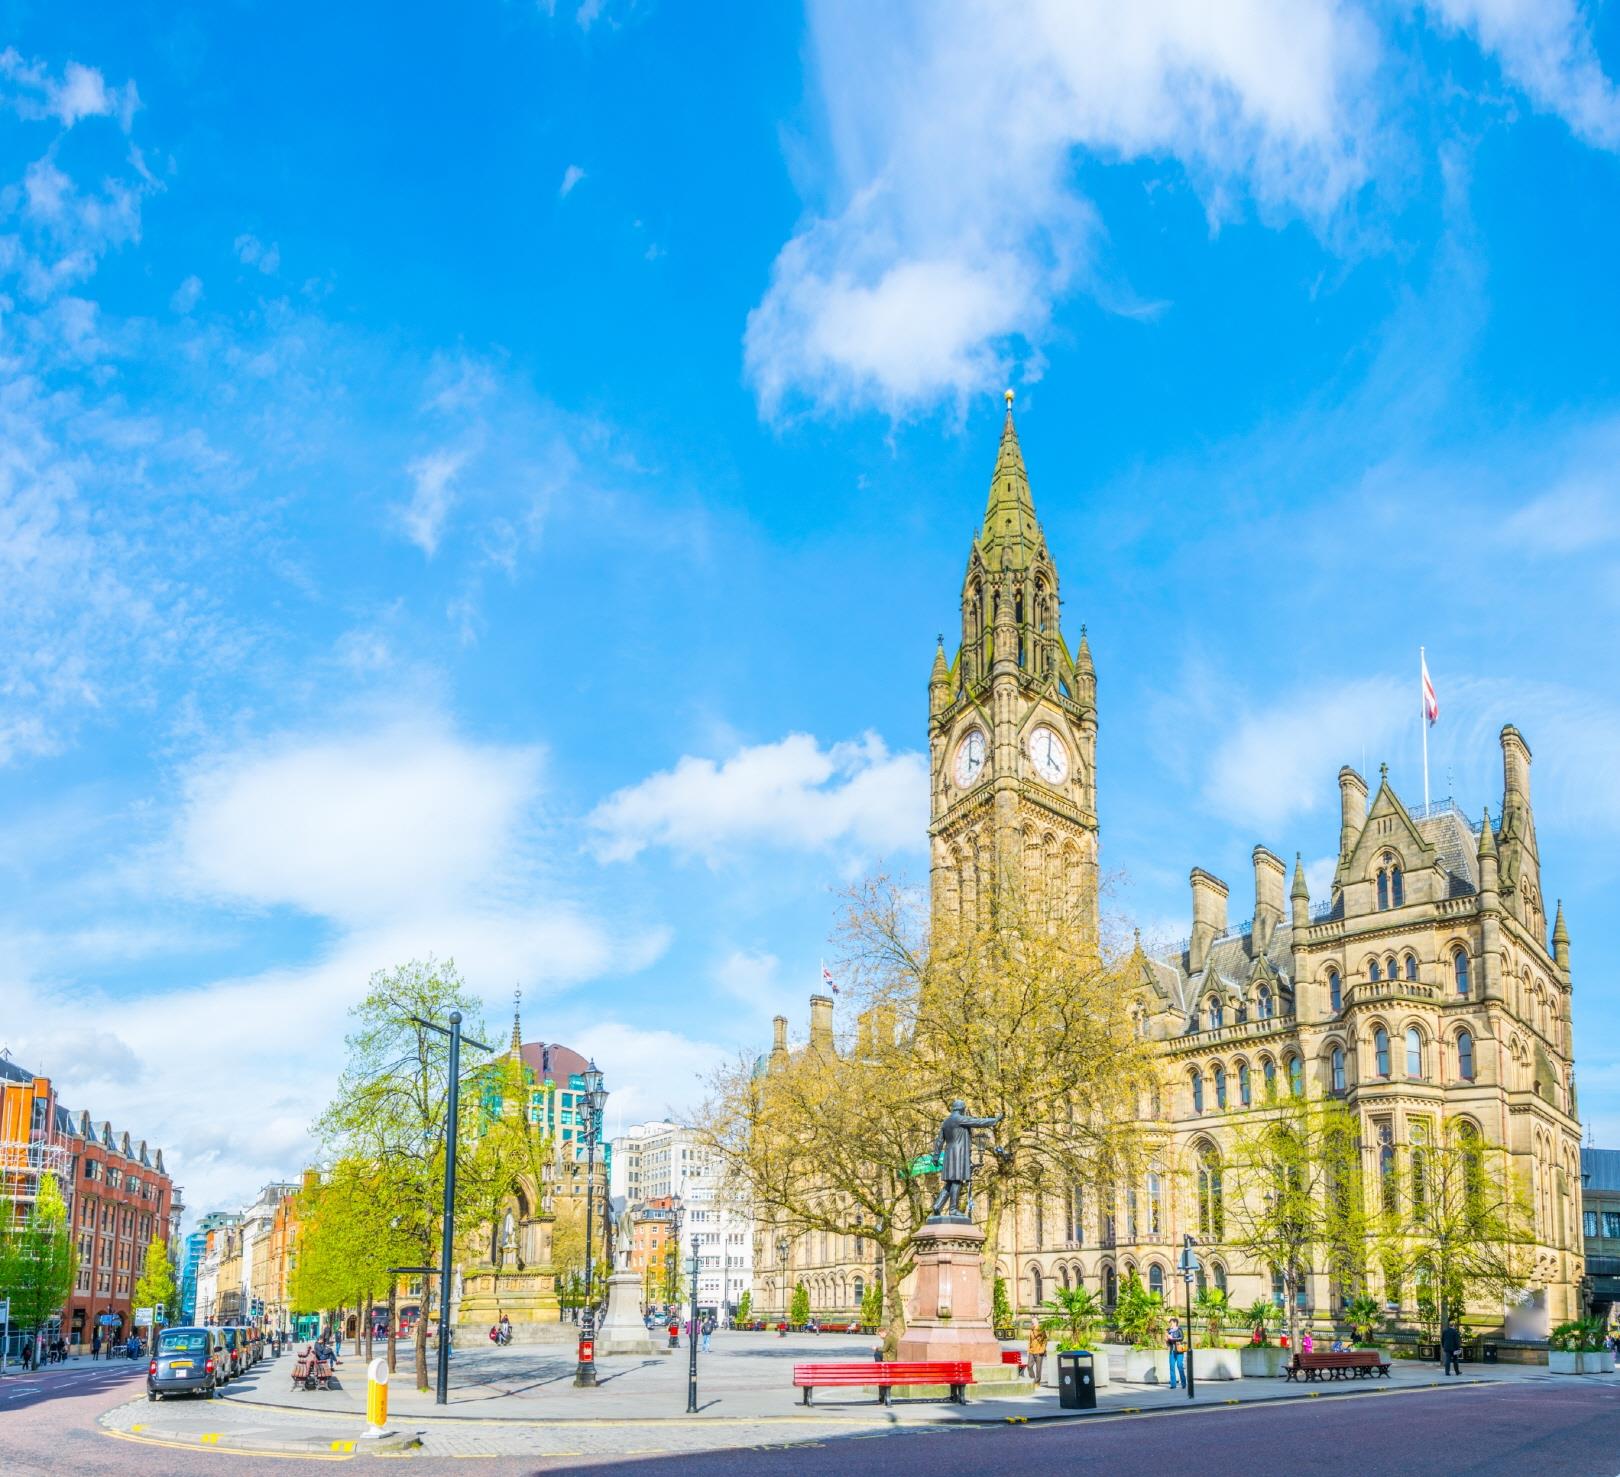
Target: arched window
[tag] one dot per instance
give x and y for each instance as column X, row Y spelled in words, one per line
column 1279, row 1290
column 1465, row 1055
column 1156, row 1279
column 1459, row 970
column 1245, row 1096
column 1220, row 1275
column 1077, row 1207
column 1035, row 1283
column 1397, row 892
column 1383, row 889
column 1338, row 1069
column 1386, row 1164
column 1220, row 1087
column 1268, row 1070
column 1296, row 1076
column 860, row 1292
column 1335, row 992
column 1155, row 1187
column 1211, row 1204
column 1414, row 1053
column 1373, row 971
column 1198, row 1090
column 1381, row 1052
column 1420, row 1168
column 1214, row 1013
column 1264, row 1002
column 1110, row 1286
column 1411, row 966
column 1390, row 972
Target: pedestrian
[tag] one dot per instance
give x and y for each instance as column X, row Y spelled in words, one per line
column 95, row 1345
column 28, row 1354
column 708, row 1332
column 1037, row 1349
column 1451, row 1348
column 337, row 1343
column 1177, row 1346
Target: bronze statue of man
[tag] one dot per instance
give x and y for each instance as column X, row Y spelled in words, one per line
column 954, row 1148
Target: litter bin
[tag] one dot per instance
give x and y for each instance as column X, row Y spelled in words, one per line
column 1077, row 1380
column 1488, row 1353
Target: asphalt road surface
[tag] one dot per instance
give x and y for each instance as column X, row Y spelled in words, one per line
column 1565, row 1427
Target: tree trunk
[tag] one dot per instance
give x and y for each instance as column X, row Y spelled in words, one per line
column 421, row 1338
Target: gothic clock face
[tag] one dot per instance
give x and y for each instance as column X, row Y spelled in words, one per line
column 970, row 755
column 1048, row 755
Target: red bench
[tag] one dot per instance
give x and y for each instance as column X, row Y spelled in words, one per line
column 958, row 1374
column 1361, row 1364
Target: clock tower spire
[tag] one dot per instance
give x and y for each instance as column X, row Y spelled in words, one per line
column 1013, row 725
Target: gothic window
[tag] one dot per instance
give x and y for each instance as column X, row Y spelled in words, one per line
column 1397, row 890
column 1198, row 1090
column 1465, row 1055
column 1264, row 1002
column 1131, row 1226
column 1414, row 1053
column 1338, row 1069
column 1296, row 1076
column 1381, row 1052
column 1220, row 1275
column 1035, row 1283
column 1245, row 1096
column 1156, row 1279
column 1459, row 970
column 1373, row 971
column 1214, row 1014
column 1383, row 889
column 1211, row 1205
column 1220, row 1087
column 1155, row 1189
column 1268, row 1070
column 1279, row 1291
column 1077, row 1207
column 1335, row 992
column 1411, row 966
column 1420, row 1168
column 1110, row 1286
column 1390, row 972
column 1386, row 1164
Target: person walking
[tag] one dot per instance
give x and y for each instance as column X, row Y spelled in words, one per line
column 708, row 1332
column 1037, row 1350
column 1451, row 1348
column 1177, row 1345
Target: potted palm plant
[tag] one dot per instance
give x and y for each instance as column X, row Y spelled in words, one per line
column 1141, row 1319
column 1363, row 1315
column 1071, row 1317
column 1214, row 1361
column 1260, row 1356
column 1577, row 1348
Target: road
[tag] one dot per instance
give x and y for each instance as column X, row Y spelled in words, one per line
column 1565, row 1427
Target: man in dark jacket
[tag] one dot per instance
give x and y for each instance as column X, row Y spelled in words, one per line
column 1451, row 1348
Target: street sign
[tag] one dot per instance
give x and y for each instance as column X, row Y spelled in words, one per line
column 5, row 1310
column 143, row 1317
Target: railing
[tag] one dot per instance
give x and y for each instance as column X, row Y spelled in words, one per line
column 1236, row 931
column 1320, row 912
column 1442, row 807
column 1232, row 1030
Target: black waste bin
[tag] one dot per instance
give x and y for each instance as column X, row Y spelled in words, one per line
column 1077, row 1380
column 1488, row 1352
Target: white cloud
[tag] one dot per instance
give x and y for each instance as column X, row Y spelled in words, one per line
column 1545, row 48
column 252, row 252
column 956, row 221
column 358, row 826
column 1279, row 761
column 792, row 794
column 81, row 92
column 433, row 480
column 187, row 295
column 571, row 177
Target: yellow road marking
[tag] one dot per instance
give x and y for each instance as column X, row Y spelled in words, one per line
column 285, row 1456
column 343, row 1446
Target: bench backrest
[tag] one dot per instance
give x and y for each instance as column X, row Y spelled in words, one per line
column 1345, row 1359
column 939, row 1372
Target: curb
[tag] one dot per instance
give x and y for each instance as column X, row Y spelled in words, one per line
column 313, row 1447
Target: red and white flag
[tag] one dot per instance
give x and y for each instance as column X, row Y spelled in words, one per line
column 827, row 979
column 1431, row 704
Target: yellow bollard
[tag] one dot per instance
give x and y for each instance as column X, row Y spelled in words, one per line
column 377, row 1397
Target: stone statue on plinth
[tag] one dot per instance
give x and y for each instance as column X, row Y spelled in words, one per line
column 953, row 1147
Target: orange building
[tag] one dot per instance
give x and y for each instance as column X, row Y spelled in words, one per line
column 652, row 1242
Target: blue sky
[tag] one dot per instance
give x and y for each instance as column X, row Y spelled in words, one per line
column 489, row 485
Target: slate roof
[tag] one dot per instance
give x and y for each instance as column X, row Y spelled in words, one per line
column 1600, row 1169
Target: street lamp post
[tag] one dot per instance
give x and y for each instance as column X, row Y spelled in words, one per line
column 595, row 1104
column 447, row 1241
column 783, row 1246
column 692, row 1341
column 1189, row 1270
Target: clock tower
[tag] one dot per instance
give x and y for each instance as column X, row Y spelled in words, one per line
column 1012, row 726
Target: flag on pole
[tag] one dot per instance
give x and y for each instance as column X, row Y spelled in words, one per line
column 1431, row 704
column 827, row 979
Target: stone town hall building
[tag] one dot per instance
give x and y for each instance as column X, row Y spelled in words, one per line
column 1421, row 991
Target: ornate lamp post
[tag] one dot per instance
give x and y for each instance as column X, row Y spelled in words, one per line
column 783, row 1246
column 595, row 1104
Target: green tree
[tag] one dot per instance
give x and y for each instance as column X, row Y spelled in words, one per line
column 1363, row 1315
column 1074, row 1314
column 510, row 1153
column 872, row 1306
column 1261, row 1315
column 155, row 1287
column 1292, row 1196
column 745, row 1307
column 390, row 1110
column 1001, row 1313
column 1140, row 1315
column 1211, row 1311
column 799, row 1310
column 38, row 1260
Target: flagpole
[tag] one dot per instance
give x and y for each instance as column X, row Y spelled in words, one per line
column 1423, row 723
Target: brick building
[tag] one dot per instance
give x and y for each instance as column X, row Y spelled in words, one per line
column 118, row 1194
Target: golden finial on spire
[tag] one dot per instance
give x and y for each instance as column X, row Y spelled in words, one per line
column 517, row 1028
column 1009, row 399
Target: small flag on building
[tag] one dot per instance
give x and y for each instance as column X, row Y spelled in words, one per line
column 827, row 979
column 1431, row 704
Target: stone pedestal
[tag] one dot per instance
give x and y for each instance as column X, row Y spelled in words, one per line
column 622, row 1330
column 949, row 1317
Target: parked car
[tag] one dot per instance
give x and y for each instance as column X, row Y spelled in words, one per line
column 235, row 1351
column 187, row 1362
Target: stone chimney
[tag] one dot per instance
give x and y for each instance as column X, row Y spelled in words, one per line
column 1352, row 809
column 1515, row 766
column 821, row 1025
column 1209, row 917
column 1269, row 874
column 779, row 1049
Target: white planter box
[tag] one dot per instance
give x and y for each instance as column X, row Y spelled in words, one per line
column 1262, row 1360
column 1600, row 1363
column 1147, row 1367
column 1218, row 1364
column 1564, row 1361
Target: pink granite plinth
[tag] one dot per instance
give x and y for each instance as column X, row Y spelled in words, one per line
column 949, row 1317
